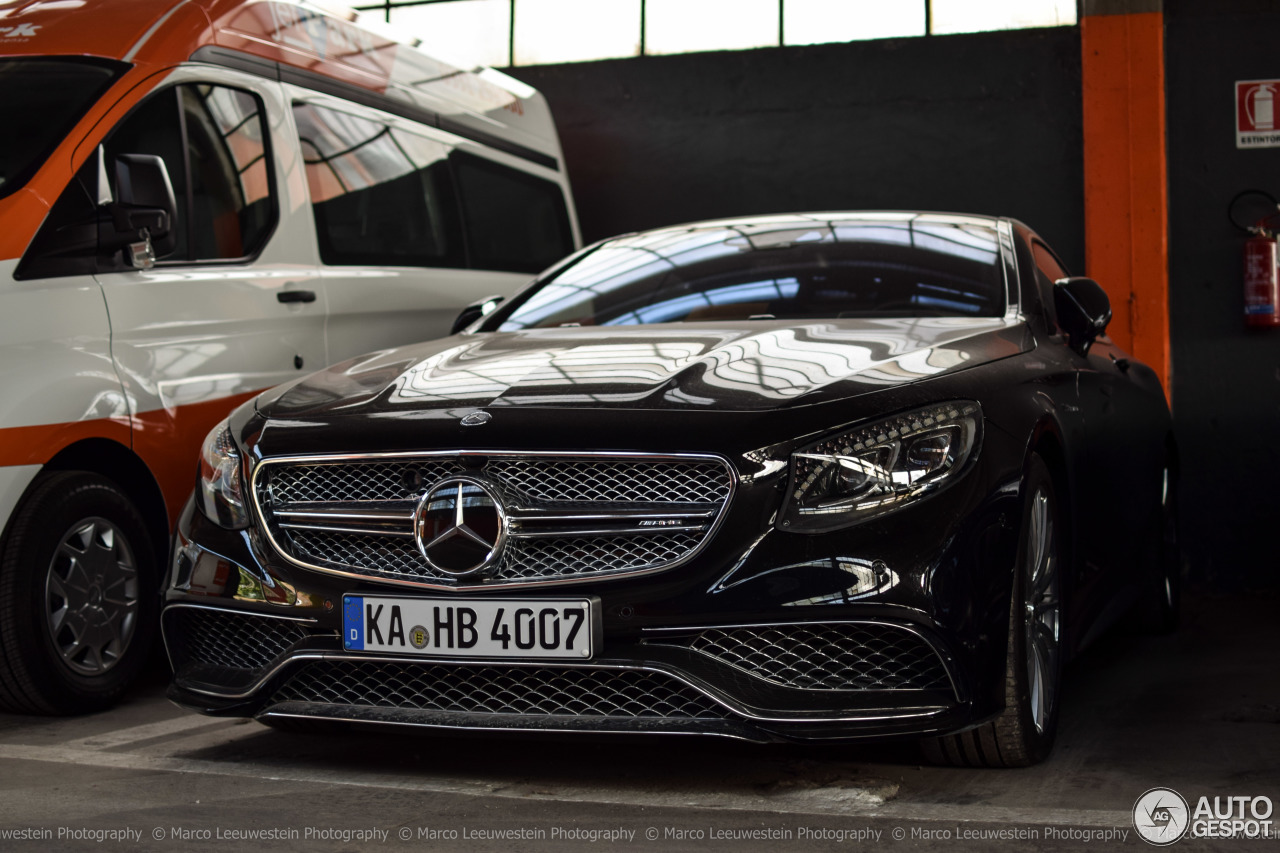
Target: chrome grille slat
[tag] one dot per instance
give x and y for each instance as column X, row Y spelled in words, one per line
column 541, row 692
column 570, row 516
column 825, row 657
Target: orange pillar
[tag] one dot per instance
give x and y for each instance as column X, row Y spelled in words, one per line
column 1125, row 185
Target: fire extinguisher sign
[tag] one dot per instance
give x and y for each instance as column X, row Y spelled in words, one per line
column 1258, row 113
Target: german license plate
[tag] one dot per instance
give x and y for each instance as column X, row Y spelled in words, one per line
column 472, row 628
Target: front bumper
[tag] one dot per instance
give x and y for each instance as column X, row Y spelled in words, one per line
column 761, row 640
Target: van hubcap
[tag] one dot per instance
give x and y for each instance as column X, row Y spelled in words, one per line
column 91, row 596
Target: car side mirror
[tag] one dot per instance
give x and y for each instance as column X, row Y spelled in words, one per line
column 474, row 311
column 1083, row 310
column 143, row 214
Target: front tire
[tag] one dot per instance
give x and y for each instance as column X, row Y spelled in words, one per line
column 1023, row 734
column 78, row 603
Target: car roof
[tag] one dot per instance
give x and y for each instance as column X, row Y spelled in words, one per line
column 810, row 221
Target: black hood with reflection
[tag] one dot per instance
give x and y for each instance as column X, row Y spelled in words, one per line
column 741, row 366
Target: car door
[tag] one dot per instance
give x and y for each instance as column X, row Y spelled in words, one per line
column 1119, row 472
column 236, row 307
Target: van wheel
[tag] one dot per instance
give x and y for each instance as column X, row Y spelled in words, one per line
column 78, row 597
column 1024, row 732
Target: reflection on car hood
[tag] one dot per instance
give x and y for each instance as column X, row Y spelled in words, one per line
column 748, row 366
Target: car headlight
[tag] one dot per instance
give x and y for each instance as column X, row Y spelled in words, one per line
column 221, row 490
column 880, row 466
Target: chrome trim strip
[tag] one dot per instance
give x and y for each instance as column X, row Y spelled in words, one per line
column 364, row 531
column 390, row 523
column 707, row 691
column 339, row 458
column 551, row 516
column 236, row 611
column 1008, row 257
column 523, row 729
column 372, row 515
column 604, row 531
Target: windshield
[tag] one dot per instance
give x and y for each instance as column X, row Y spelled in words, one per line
column 794, row 267
column 41, row 100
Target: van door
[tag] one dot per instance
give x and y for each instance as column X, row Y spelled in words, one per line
column 234, row 308
column 404, row 235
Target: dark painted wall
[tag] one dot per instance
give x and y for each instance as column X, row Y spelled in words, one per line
column 989, row 123
column 1226, row 380
column 986, row 123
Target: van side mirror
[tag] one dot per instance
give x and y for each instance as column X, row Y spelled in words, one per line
column 474, row 311
column 1083, row 310
column 143, row 214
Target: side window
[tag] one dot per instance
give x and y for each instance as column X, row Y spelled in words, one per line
column 1048, row 270
column 380, row 195
column 231, row 210
column 1046, row 262
column 514, row 221
column 214, row 145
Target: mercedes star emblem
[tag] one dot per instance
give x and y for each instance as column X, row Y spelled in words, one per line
column 460, row 527
column 476, row 418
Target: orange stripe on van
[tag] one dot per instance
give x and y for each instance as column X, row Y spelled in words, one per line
column 36, row 445
column 167, row 441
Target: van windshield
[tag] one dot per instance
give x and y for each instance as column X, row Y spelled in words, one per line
column 41, row 100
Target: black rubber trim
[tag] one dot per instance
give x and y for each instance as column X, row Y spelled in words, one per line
column 271, row 70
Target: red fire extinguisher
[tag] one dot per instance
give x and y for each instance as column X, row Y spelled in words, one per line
column 1261, row 266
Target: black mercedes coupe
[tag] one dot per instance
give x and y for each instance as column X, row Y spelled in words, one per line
column 810, row 477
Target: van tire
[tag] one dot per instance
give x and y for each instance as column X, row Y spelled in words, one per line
column 78, row 596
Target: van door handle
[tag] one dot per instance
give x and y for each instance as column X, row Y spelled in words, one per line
column 296, row 296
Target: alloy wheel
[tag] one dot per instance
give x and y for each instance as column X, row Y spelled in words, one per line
column 91, row 596
column 1043, row 610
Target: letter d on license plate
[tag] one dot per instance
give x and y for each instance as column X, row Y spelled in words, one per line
column 472, row 628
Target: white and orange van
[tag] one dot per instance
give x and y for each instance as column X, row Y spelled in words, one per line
column 198, row 200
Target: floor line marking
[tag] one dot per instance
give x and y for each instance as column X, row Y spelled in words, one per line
column 133, row 734
column 825, row 803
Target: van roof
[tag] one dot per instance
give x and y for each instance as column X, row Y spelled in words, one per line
column 269, row 37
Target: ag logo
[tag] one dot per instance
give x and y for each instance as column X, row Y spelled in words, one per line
column 1161, row 816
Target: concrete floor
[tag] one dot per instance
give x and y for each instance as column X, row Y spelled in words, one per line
column 1198, row 712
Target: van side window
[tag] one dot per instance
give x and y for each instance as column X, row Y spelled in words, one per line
column 214, row 145
column 231, row 210
column 514, row 221
column 381, row 195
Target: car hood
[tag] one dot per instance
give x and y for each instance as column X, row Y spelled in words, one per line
column 749, row 366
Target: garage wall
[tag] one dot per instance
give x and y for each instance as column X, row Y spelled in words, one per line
column 1226, row 379
column 985, row 123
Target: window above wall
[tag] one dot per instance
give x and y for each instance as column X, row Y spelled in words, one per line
column 543, row 32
